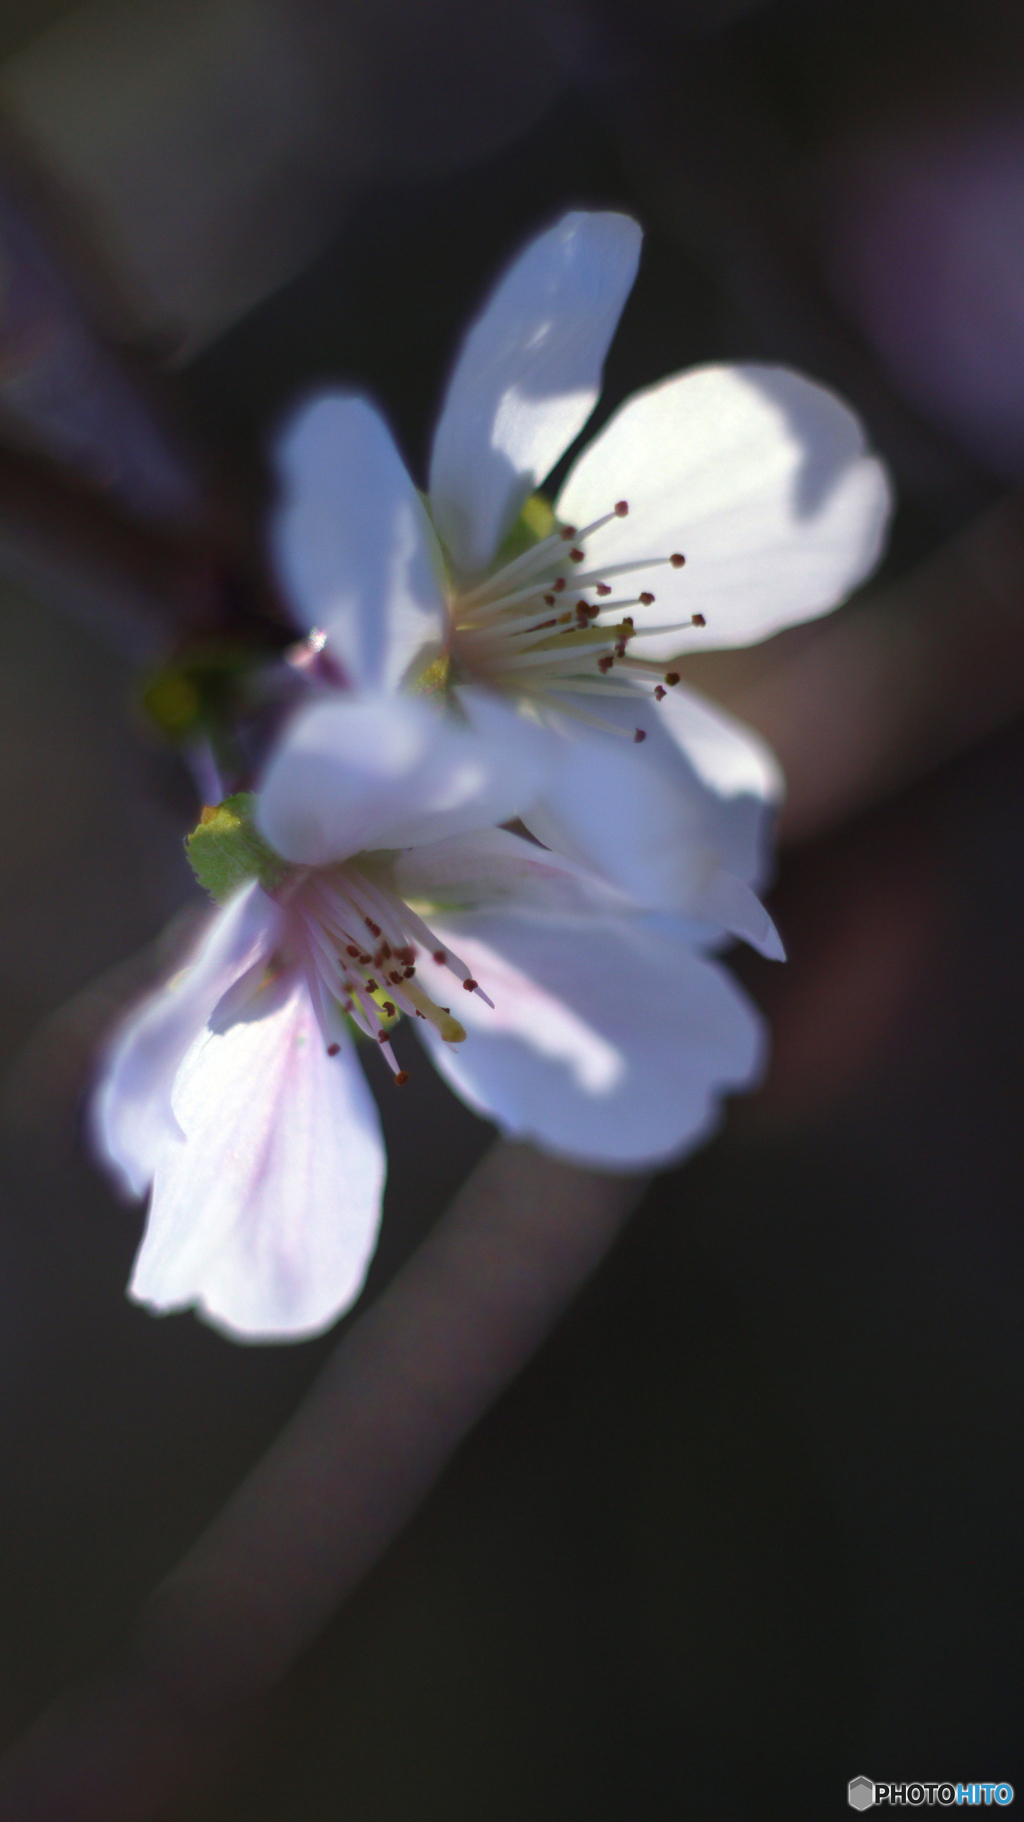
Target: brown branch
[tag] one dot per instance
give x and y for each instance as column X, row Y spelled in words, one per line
column 404, row 1385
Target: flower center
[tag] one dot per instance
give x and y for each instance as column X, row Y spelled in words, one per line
column 549, row 626
column 357, row 942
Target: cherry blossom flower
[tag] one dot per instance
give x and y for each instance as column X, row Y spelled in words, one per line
column 371, row 885
column 483, row 667
column 713, row 509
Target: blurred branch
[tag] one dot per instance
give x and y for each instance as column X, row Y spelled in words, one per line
column 64, row 391
column 133, row 586
column 406, row 1382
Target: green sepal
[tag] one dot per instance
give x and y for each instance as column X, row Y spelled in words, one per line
column 226, row 850
column 535, row 522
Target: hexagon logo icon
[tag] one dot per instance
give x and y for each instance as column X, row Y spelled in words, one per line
column 860, row 1793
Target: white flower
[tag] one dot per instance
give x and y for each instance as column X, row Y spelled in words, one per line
column 759, row 478
column 547, row 1003
column 483, row 684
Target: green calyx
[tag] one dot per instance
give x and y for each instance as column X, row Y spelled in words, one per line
column 535, row 522
column 226, row 850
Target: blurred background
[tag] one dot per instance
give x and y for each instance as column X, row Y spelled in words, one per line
column 748, row 1525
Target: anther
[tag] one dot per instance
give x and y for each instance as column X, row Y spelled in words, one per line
column 647, row 600
column 394, row 978
column 372, row 987
column 366, row 960
column 470, row 984
column 659, row 693
column 409, row 973
column 333, row 1049
column 605, row 588
column 549, row 600
column 621, row 508
column 698, row 620
column 558, row 585
column 440, row 957
column 389, row 1009
column 677, row 559
column 671, row 678
column 382, row 1037
column 638, row 736
column 373, row 928
column 576, row 556
column 568, row 533
column 401, row 1078
column 352, row 950
column 605, row 664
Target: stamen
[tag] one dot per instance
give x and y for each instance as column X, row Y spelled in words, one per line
column 573, row 712
column 594, row 576
column 617, row 512
column 539, row 556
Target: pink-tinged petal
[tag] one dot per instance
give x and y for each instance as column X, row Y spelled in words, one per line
column 758, row 477
column 265, row 1215
column 610, row 1043
column 493, row 868
column 528, row 377
column 391, row 772
column 659, row 819
column 354, row 547
column 131, row 1115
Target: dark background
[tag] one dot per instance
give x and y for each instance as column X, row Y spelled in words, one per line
column 749, row 1524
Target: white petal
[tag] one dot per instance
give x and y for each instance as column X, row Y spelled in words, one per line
column 729, row 757
column 662, row 819
column 728, row 904
column 527, row 378
column 265, row 1216
column 609, row 1044
column 390, row 772
column 493, row 868
column 131, row 1114
column 755, row 475
column 354, row 547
